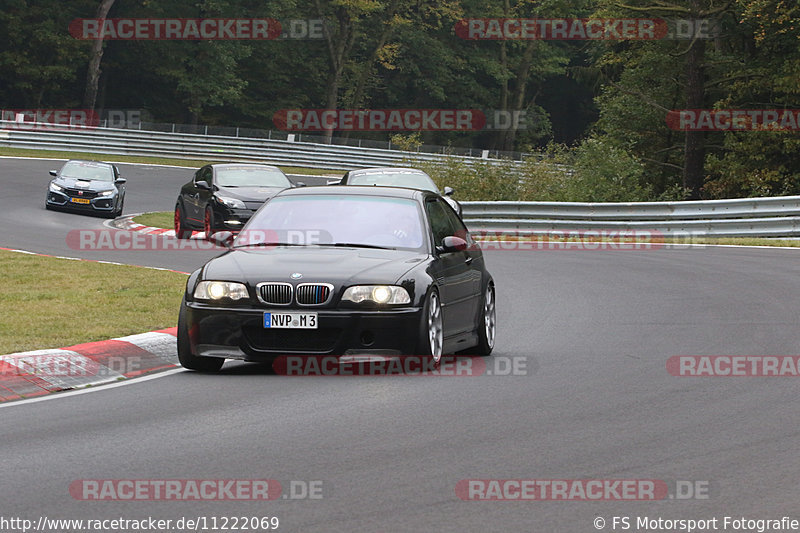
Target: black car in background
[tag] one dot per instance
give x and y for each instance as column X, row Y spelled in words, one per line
column 87, row 186
column 377, row 270
column 224, row 196
column 411, row 178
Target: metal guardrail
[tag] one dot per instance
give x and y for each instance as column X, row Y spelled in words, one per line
column 756, row 217
column 745, row 217
column 183, row 145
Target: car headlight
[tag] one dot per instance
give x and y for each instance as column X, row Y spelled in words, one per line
column 233, row 203
column 217, row 290
column 107, row 193
column 56, row 188
column 380, row 294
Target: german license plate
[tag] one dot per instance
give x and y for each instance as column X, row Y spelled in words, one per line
column 290, row 320
column 80, row 200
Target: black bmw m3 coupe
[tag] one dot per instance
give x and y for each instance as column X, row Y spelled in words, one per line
column 339, row 271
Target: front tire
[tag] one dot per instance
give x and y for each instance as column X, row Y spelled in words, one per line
column 487, row 327
column 179, row 221
column 431, row 331
column 208, row 222
column 185, row 355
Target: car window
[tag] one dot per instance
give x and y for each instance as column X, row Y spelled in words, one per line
column 329, row 219
column 455, row 222
column 440, row 223
column 248, row 176
column 411, row 180
column 87, row 170
column 204, row 174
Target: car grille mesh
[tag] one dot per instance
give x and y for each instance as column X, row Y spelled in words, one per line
column 80, row 193
column 313, row 293
column 275, row 293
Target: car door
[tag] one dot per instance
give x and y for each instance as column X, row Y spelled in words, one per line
column 454, row 273
column 195, row 197
column 473, row 257
column 120, row 187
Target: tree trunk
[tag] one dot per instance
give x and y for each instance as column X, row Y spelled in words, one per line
column 509, row 136
column 366, row 69
column 338, row 49
column 694, row 147
column 95, row 57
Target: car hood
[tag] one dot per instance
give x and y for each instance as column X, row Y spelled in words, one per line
column 249, row 194
column 338, row 266
column 89, row 185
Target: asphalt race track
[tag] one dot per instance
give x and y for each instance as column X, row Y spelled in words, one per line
column 593, row 330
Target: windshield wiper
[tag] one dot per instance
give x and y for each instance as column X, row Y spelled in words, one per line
column 357, row 245
column 265, row 244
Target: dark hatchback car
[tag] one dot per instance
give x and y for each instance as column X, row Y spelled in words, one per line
column 411, row 178
column 224, row 196
column 341, row 271
column 88, row 187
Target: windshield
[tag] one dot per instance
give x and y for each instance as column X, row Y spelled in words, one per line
column 328, row 219
column 87, row 170
column 251, row 177
column 411, row 180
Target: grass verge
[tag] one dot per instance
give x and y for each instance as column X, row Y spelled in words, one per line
column 158, row 219
column 51, row 303
column 194, row 163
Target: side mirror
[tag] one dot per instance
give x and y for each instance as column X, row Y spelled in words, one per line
column 202, row 185
column 448, row 191
column 221, row 238
column 453, row 244
column 120, row 180
column 54, row 173
column 301, row 184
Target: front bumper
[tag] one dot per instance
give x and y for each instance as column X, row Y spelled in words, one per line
column 100, row 204
column 238, row 333
column 233, row 219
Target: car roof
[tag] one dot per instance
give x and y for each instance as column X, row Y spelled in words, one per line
column 89, row 161
column 387, row 170
column 258, row 165
column 358, row 190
